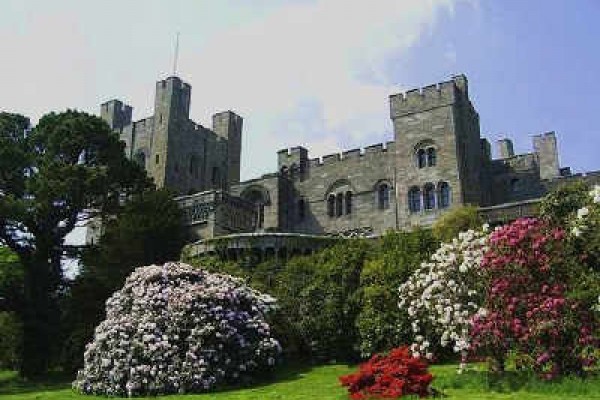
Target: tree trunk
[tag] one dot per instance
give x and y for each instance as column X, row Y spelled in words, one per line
column 40, row 315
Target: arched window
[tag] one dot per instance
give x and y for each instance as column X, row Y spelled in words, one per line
column 429, row 196
column 331, row 205
column 193, row 167
column 261, row 216
column 414, row 199
column 431, row 157
column 301, row 209
column 383, row 196
column 348, row 202
column 215, row 175
column 421, row 158
column 444, row 199
column 339, row 203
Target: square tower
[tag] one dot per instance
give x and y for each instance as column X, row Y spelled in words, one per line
column 438, row 150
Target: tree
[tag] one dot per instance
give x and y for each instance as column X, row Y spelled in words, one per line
column 70, row 162
column 11, row 297
column 149, row 230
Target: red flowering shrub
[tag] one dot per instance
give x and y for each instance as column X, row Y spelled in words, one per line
column 389, row 377
column 527, row 309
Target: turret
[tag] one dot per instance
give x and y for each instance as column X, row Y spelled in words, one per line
column 293, row 161
column 116, row 114
column 545, row 147
column 228, row 125
column 505, row 148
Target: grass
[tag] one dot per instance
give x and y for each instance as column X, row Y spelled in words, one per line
column 300, row 383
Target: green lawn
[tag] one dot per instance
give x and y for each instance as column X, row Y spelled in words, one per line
column 321, row 383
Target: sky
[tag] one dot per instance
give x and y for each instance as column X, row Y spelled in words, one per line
column 315, row 73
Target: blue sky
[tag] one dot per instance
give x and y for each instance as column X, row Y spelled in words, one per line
column 315, row 73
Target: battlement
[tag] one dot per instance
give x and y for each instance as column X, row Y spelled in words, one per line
column 175, row 82
column 116, row 113
column 429, row 97
column 356, row 154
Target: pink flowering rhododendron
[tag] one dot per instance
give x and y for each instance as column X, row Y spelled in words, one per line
column 527, row 309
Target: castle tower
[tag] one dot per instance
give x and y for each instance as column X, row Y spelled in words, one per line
column 171, row 115
column 545, row 147
column 505, row 148
column 438, row 150
column 116, row 114
column 228, row 125
column 293, row 161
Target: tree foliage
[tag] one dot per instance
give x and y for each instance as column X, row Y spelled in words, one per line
column 68, row 163
column 148, row 230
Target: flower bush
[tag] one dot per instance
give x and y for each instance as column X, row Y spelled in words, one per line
column 444, row 293
column 527, row 309
column 176, row 329
column 391, row 376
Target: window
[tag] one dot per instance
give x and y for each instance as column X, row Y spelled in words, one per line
column 331, row 205
column 140, row 159
column 444, row 199
column 421, row 161
column 429, row 196
column 301, row 209
column 383, row 196
column 414, row 199
column 431, row 157
column 215, row 175
column 261, row 215
column 339, row 202
column 192, row 167
column 348, row 202
column 157, row 158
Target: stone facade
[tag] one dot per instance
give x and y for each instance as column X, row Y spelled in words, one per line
column 437, row 160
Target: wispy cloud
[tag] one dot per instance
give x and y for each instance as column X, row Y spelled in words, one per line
column 312, row 73
column 305, row 72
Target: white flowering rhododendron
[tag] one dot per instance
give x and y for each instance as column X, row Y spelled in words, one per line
column 587, row 216
column 444, row 293
column 177, row 329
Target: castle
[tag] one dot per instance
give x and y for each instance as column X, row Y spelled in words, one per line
column 437, row 160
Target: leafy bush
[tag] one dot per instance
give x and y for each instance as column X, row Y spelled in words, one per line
column 559, row 205
column 391, row 376
column 444, row 293
column 381, row 324
column 526, row 308
column 319, row 295
column 458, row 219
column 11, row 332
column 176, row 329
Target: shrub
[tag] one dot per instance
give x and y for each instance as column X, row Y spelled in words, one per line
column 526, row 308
column 444, row 293
column 381, row 324
column 11, row 332
column 559, row 205
column 458, row 219
column 391, row 376
column 176, row 329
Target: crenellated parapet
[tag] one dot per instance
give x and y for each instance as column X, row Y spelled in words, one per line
column 116, row 113
column 287, row 157
column 429, row 97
